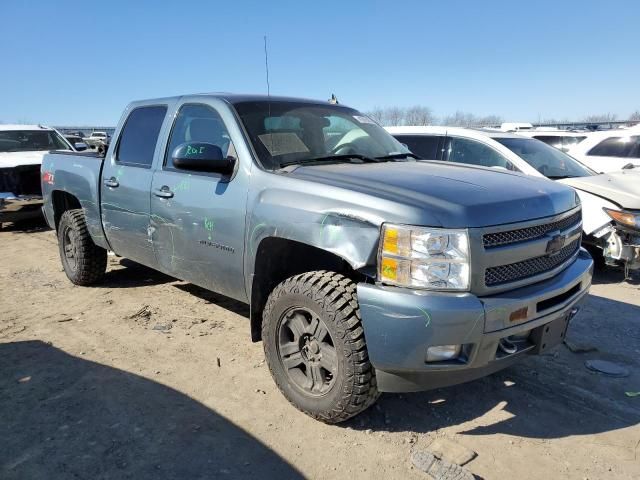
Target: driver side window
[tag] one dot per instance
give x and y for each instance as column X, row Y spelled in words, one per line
column 472, row 152
column 197, row 123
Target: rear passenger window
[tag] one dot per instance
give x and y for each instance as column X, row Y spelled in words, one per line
column 424, row 146
column 624, row 147
column 197, row 123
column 139, row 136
column 463, row 150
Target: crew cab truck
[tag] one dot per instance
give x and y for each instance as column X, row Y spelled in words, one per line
column 363, row 275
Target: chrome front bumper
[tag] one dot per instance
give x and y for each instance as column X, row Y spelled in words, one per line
column 18, row 207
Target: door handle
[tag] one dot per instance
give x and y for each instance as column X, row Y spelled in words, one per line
column 163, row 192
column 111, row 182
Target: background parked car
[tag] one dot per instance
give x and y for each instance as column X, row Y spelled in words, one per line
column 610, row 202
column 97, row 139
column 76, row 142
column 21, row 150
column 560, row 139
column 609, row 150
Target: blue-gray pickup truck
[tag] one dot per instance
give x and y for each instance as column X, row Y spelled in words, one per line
column 366, row 269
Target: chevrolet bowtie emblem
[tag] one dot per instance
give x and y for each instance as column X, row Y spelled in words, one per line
column 555, row 244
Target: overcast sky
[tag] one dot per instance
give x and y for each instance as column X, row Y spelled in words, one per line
column 80, row 63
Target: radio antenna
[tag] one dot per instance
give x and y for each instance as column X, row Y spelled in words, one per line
column 266, row 67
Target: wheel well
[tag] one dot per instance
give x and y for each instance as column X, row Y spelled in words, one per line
column 278, row 259
column 63, row 201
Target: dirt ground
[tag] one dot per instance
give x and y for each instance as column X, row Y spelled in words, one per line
column 148, row 377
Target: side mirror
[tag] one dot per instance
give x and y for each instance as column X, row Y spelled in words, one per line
column 80, row 146
column 202, row 157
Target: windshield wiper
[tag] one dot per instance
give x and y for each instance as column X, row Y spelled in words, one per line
column 340, row 158
column 397, row 156
column 559, row 177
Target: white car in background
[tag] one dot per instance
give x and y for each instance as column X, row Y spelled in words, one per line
column 97, row 139
column 21, row 150
column 609, row 150
column 610, row 202
column 560, row 139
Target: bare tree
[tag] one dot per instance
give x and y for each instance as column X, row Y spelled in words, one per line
column 466, row 119
column 460, row 119
column 601, row 118
column 377, row 114
column 489, row 120
column 418, row 116
column 393, row 116
column 635, row 116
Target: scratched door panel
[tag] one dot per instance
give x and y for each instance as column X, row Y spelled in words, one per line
column 198, row 234
column 125, row 213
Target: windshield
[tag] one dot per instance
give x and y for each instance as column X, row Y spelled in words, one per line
column 30, row 141
column 99, row 134
column 549, row 161
column 283, row 133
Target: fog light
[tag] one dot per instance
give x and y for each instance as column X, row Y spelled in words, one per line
column 443, row 352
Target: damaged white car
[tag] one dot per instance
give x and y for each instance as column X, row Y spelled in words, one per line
column 610, row 201
column 21, row 150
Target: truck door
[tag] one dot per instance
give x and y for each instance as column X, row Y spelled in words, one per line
column 126, row 181
column 198, row 218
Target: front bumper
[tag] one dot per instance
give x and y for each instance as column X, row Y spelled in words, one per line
column 400, row 324
column 19, row 207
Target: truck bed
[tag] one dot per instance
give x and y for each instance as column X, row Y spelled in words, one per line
column 78, row 174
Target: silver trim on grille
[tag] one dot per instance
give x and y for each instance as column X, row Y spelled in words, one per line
column 529, row 268
column 522, row 250
column 490, row 240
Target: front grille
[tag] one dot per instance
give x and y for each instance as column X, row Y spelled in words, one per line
column 528, row 268
column 529, row 233
column 21, row 180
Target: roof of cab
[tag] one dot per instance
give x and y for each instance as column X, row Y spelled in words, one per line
column 234, row 98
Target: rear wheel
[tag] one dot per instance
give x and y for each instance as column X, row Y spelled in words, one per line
column 315, row 346
column 84, row 262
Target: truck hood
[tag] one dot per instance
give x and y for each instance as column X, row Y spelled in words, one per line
column 16, row 159
column 453, row 195
column 621, row 188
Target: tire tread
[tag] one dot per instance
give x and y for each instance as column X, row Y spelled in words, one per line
column 92, row 259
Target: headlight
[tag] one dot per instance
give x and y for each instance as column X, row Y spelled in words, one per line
column 419, row 257
column 625, row 218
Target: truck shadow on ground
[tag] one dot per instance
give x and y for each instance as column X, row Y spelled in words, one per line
column 544, row 397
column 129, row 274
column 65, row 417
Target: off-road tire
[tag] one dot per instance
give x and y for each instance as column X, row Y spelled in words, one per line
column 90, row 262
column 332, row 297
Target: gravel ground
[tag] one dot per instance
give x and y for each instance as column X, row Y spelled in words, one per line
column 148, row 377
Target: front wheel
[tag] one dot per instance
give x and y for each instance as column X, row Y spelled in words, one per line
column 315, row 347
column 84, row 262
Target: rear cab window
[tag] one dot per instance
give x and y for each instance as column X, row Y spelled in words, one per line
column 139, row 136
